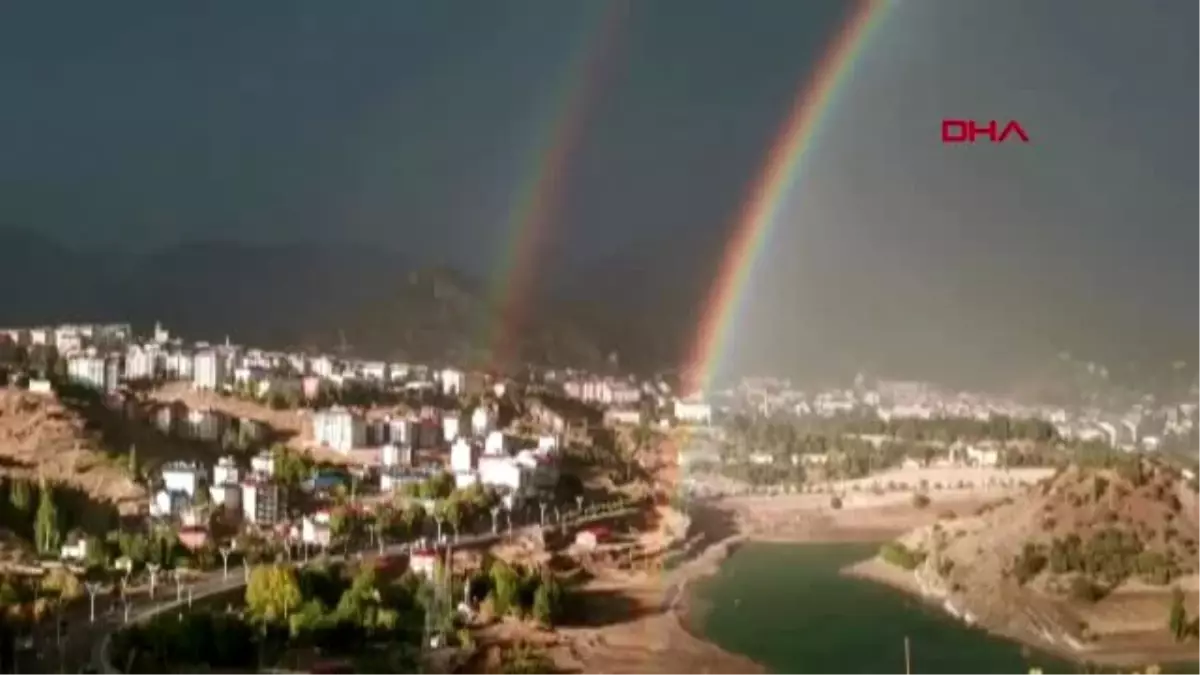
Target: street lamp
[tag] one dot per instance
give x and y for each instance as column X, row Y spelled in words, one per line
column 93, row 587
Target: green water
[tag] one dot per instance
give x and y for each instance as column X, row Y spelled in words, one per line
column 786, row 606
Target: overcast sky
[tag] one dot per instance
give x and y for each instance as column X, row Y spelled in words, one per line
column 414, row 124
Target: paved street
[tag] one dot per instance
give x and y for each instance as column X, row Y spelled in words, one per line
column 83, row 640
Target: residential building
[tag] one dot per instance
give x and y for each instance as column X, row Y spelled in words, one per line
column 483, row 420
column 463, row 456
column 396, row 455
column 178, row 365
column 450, row 427
column 141, row 363
column 182, row 477
column 693, row 412
column 204, row 425
column 226, row 471
column 499, row 443
column 263, row 502
column 262, row 464
column 339, row 429
column 87, row 370
column 315, row 530
column 209, row 370
column 453, row 381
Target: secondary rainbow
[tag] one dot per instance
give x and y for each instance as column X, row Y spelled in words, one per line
column 540, row 193
column 760, row 211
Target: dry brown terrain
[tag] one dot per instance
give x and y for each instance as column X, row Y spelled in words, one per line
column 39, row 436
column 972, row 565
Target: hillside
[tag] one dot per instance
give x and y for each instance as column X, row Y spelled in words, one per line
column 1085, row 562
column 40, row 437
column 294, row 295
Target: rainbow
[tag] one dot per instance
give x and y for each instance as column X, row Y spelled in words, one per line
column 760, row 210
column 540, row 193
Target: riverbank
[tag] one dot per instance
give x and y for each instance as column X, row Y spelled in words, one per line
column 1136, row 650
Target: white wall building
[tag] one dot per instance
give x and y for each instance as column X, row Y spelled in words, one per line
column 453, row 381
column 339, row 429
column 86, row 370
column 141, row 363
column 462, row 456
column 450, row 427
column 693, row 412
column 185, row 478
column 209, row 370
column 226, row 471
column 483, row 420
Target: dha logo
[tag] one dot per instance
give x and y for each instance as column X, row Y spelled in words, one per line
column 967, row 131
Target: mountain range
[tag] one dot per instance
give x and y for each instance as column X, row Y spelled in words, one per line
column 322, row 295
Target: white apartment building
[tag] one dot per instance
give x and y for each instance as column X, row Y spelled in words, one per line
column 86, row 370
column 179, row 365
column 463, row 456
column 450, row 427
column 322, row 366
column 209, row 370
column 453, row 381
column 262, row 502
column 693, row 412
column 226, row 471
column 339, row 429
column 203, row 424
column 396, row 455
column 141, row 363
column 483, row 420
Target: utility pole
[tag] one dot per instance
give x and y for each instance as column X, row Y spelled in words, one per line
column 907, row 657
column 495, row 512
column 579, row 504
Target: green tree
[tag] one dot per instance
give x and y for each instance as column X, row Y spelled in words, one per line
column 506, row 587
column 46, row 529
column 19, row 495
column 1178, row 620
column 273, row 592
column 543, row 605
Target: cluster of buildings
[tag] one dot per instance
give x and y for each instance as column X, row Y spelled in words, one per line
column 1141, row 426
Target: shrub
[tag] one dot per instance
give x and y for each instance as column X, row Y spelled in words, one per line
column 835, row 502
column 899, row 555
column 1084, row 590
column 1029, row 563
column 920, row 500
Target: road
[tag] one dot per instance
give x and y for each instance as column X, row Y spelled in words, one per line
column 85, row 642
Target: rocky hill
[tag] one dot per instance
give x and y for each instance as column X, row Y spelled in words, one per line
column 1087, row 562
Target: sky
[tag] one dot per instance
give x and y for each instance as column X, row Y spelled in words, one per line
column 415, row 126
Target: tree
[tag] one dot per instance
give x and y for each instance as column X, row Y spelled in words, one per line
column 506, row 586
column 46, row 531
column 542, row 612
column 1178, row 620
column 273, row 592
column 19, row 495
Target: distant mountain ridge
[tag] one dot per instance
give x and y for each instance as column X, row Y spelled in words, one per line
column 296, row 295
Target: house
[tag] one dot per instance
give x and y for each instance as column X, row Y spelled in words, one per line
column 263, row 464
column 227, row 495
column 315, row 529
column 504, row 472
column 168, row 503
column 226, row 471
column 76, row 548
column 182, row 477
column 499, row 443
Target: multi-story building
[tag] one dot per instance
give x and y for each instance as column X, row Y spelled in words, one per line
column 181, row 477
column 87, row 370
column 339, row 429
column 453, row 381
column 179, row 365
column 209, row 370
column 141, row 363
column 263, row 503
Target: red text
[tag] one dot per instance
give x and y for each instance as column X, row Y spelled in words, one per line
column 967, row 131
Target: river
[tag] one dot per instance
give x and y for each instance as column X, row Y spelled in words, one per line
column 787, row 607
